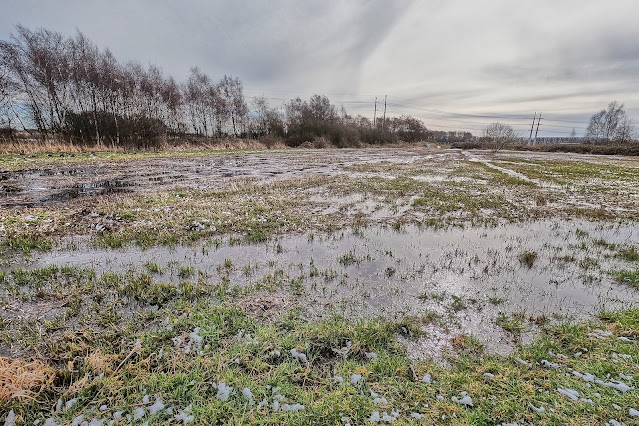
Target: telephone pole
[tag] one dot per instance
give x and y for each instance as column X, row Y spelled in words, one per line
column 537, row 131
column 531, row 129
column 385, row 111
column 375, row 114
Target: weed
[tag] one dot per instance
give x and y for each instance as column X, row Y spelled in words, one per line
column 528, row 258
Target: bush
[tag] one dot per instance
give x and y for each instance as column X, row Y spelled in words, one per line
column 140, row 132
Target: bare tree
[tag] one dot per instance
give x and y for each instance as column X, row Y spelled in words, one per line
column 8, row 92
column 500, row 135
column 610, row 124
column 573, row 135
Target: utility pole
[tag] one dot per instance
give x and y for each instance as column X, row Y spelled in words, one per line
column 537, row 131
column 375, row 114
column 385, row 111
column 531, row 129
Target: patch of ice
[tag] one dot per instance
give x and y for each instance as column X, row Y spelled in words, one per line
column 339, row 379
column 371, row 355
column 195, row 341
column 561, row 356
column 299, row 355
column 538, row 409
column 157, row 406
column 489, row 375
column 549, row 364
column 374, row 418
column 416, row 416
column 381, row 400
column 248, row 395
column 427, row 379
column 625, row 339
column 185, row 415
column 223, row 391
column 11, row 419
column 633, row 412
column 294, row 407
column 570, row 393
column 624, row 356
column 521, row 361
column 465, row 400
column 587, row 376
column 139, row 413
column 70, row 403
column 355, row 378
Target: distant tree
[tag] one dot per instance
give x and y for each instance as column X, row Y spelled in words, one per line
column 267, row 120
column 8, row 91
column 235, row 108
column 499, row 135
column 573, row 135
column 610, row 124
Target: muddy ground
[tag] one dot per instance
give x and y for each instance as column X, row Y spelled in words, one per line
column 493, row 245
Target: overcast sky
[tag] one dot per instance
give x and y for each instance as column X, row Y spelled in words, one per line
column 453, row 63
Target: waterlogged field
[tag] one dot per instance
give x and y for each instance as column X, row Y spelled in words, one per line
column 319, row 287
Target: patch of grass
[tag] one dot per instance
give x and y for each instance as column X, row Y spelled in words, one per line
column 510, row 323
column 629, row 254
column 186, row 271
column 27, row 243
column 153, row 268
column 528, row 258
column 347, row 259
column 627, row 276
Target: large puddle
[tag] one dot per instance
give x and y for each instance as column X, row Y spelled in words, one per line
column 466, row 278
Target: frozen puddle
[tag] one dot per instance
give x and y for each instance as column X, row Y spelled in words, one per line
column 464, row 279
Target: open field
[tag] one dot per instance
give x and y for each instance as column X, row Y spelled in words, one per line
column 322, row 286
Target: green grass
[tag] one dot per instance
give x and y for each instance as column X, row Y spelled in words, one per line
column 627, row 276
column 181, row 379
column 87, row 349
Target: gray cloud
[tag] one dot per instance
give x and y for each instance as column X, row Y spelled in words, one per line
column 494, row 57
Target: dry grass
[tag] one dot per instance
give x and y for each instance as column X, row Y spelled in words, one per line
column 22, row 146
column 51, row 146
column 20, row 379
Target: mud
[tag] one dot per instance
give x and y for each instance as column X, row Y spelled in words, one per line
column 58, row 183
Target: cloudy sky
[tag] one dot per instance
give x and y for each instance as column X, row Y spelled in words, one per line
column 455, row 64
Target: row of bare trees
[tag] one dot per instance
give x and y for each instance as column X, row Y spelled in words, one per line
column 68, row 87
column 59, row 87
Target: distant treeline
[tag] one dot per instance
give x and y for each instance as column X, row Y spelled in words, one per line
column 578, row 147
column 58, row 87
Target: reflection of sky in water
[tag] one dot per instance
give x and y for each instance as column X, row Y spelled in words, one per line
column 391, row 270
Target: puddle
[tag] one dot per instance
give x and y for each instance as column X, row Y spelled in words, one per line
column 462, row 278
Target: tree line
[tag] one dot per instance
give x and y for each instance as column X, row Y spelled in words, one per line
column 59, row 87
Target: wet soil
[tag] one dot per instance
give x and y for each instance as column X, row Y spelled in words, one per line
column 58, row 183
